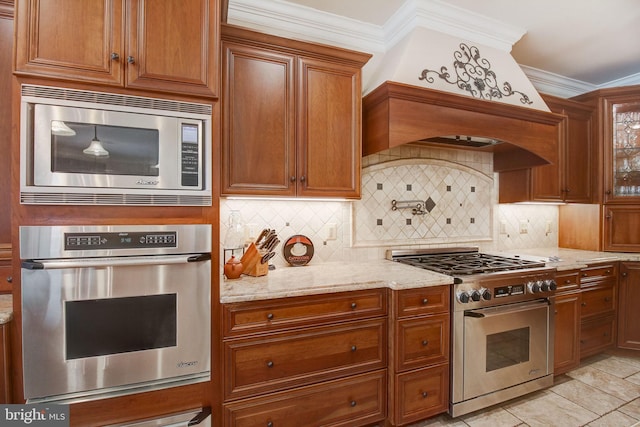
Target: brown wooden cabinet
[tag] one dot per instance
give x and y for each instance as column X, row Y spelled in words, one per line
column 598, row 306
column 567, row 322
column 291, row 121
column 420, row 342
column 168, row 46
column 5, row 364
column 6, row 121
column 572, row 178
column 311, row 360
column 628, row 303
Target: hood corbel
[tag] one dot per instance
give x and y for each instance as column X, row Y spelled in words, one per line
column 395, row 114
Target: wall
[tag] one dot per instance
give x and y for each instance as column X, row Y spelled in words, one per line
column 464, row 210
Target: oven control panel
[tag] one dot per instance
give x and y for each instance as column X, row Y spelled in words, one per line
column 505, row 288
column 122, row 240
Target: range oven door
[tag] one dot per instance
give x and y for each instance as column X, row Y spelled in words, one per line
column 104, row 326
column 505, row 346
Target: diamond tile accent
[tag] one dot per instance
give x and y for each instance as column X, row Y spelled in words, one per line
column 429, row 204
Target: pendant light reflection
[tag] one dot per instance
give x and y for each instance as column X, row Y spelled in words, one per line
column 95, row 148
column 61, row 129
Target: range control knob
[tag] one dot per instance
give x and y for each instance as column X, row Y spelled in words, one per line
column 463, row 297
column 534, row 286
column 552, row 284
column 475, row 295
column 544, row 287
column 486, row 294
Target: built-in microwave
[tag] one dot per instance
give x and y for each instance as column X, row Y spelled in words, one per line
column 85, row 147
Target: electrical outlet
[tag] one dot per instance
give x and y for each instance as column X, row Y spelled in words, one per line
column 547, row 228
column 503, row 227
column 524, row 226
column 250, row 231
column 332, row 231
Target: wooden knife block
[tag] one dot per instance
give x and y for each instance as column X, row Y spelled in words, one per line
column 251, row 262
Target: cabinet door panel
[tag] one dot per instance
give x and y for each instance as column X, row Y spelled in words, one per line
column 567, row 333
column 622, row 228
column 173, row 45
column 258, row 122
column 359, row 400
column 628, row 303
column 422, row 341
column 77, row 44
column 328, row 115
column 422, row 394
column 596, row 335
column 284, row 360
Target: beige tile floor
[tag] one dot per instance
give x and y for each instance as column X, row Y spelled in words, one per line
column 604, row 391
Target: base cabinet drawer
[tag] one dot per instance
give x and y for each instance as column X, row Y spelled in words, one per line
column 596, row 335
column 422, row 393
column 277, row 361
column 597, row 301
column 422, row 341
column 355, row 401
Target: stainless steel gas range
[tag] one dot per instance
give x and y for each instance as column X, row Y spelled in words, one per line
column 502, row 323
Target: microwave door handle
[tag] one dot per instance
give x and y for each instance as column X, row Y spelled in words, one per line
column 113, row 261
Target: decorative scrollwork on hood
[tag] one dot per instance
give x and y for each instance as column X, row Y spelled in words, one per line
column 474, row 75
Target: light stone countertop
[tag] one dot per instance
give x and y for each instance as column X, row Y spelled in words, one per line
column 328, row 278
column 569, row 259
column 6, row 308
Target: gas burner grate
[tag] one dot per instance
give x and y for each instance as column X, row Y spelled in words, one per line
column 462, row 264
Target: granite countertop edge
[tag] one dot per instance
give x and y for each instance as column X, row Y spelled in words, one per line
column 350, row 276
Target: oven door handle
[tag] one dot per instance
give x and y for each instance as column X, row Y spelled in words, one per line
column 502, row 310
column 113, row 261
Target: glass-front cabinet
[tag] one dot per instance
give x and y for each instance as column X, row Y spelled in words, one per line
column 624, row 175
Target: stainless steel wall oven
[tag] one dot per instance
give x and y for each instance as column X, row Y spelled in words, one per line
column 111, row 310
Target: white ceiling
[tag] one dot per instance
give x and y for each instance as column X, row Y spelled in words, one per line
column 589, row 43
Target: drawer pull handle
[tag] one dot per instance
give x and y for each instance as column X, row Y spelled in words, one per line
column 354, row 348
column 270, row 364
column 425, row 342
column 114, row 56
column 584, row 304
column 425, row 394
column 425, row 301
column 568, row 281
column 353, row 403
column 269, row 423
column 9, row 279
column 608, row 272
column 353, row 305
column 584, row 274
column 607, row 299
column 555, row 312
column 270, row 316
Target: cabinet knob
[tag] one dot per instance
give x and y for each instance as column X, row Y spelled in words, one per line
column 131, row 59
column 624, row 274
column 270, row 316
column 115, row 56
column 354, row 305
column 584, row 304
column 270, row 364
column 607, row 299
column 269, row 423
column 292, row 179
column 353, row 403
column 9, row 279
column 425, row 301
column 425, row 342
column 425, row 394
column 302, row 178
column 608, row 272
column 354, row 348
column 608, row 192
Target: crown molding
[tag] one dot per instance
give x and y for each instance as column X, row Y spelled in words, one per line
column 286, row 19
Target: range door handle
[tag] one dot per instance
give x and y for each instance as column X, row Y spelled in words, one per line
column 505, row 309
column 113, row 261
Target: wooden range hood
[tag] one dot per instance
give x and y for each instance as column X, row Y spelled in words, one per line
column 395, row 114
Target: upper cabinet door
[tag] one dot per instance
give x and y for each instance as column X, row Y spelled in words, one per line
column 70, row 39
column 173, row 44
column 166, row 46
column 258, row 121
column 622, row 165
column 330, row 147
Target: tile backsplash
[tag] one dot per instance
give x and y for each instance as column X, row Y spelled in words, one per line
column 457, row 190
